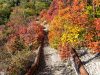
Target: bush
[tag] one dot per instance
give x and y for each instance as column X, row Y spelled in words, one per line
column 29, row 5
column 5, row 11
column 29, row 12
column 90, row 12
column 39, row 6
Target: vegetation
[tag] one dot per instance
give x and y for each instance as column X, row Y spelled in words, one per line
column 76, row 23
column 73, row 24
column 20, row 34
column 29, row 8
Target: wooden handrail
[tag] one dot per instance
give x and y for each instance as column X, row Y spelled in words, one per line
column 37, row 61
column 80, row 67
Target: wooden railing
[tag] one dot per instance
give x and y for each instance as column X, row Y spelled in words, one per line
column 37, row 62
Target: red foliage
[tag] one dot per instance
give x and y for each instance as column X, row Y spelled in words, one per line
column 95, row 46
column 89, row 36
column 99, row 34
column 43, row 13
column 53, row 10
column 74, row 11
column 97, row 23
column 29, row 34
column 1, row 28
column 22, row 30
column 9, row 24
column 64, row 51
column 38, row 30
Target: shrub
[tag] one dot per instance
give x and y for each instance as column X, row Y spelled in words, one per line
column 5, row 11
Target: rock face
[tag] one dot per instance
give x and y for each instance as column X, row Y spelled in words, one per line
column 92, row 63
column 54, row 65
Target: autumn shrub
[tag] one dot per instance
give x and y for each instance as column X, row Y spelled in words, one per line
column 21, row 32
column 63, row 32
column 49, row 14
column 94, row 42
column 21, row 44
column 22, row 16
column 23, row 36
column 18, row 63
column 72, row 25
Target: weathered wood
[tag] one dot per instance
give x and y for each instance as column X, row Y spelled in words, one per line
column 36, row 64
column 80, row 67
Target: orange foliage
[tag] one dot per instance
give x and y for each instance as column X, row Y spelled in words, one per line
column 73, row 12
column 64, row 51
column 97, row 23
column 89, row 36
column 95, row 46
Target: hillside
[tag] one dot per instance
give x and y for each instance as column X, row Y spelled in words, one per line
column 49, row 37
